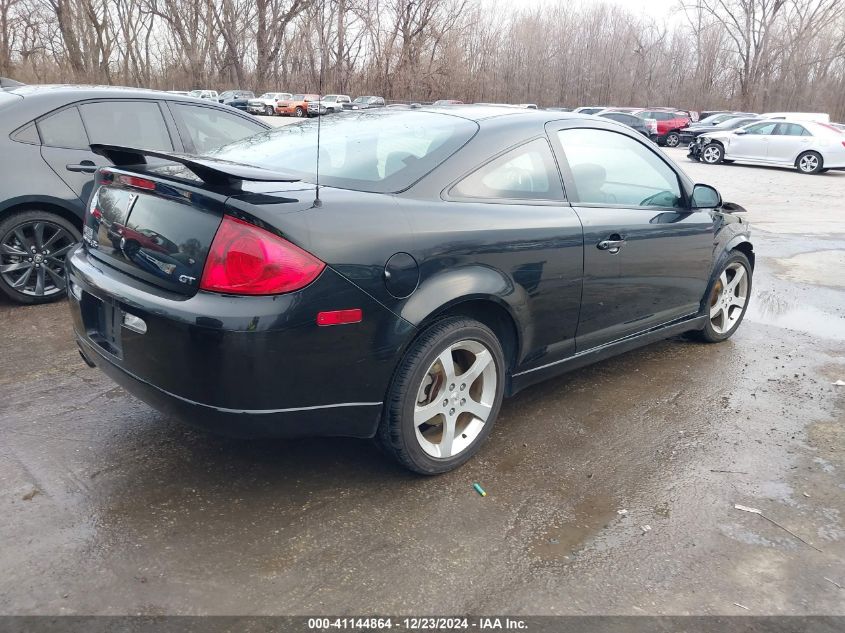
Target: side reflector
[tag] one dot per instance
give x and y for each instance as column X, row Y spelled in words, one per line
column 340, row 317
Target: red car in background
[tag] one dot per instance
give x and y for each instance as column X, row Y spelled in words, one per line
column 668, row 124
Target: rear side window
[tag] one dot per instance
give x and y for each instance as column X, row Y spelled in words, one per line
column 63, row 129
column 210, row 128
column 525, row 173
column 609, row 168
column 128, row 123
column 792, row 129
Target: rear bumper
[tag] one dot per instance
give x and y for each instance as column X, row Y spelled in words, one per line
column 243, row 366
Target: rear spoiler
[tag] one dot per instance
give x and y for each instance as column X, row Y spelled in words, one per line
column 211, row 171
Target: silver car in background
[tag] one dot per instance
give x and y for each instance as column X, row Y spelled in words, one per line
column 808, row 146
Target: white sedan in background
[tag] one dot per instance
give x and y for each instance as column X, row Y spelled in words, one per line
column 810, row 147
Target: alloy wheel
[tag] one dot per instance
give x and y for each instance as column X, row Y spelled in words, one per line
column 32, row 258
column 455, row 399
column 711, row 154
column 808, row 163
column 730, row 294
column 673, row 140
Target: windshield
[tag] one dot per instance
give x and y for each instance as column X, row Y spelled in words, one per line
column 195, row 93
column 330, row 98
column 360, row 99
column 375, row 150
column 298, row 98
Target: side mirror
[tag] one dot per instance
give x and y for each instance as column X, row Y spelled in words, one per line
column 740, row 131
column 705, row 197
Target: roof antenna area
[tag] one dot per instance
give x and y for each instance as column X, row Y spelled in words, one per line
column 317, row 202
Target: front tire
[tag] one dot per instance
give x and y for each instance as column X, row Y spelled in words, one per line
column 727, row 299
column 269, row 110
column 299, row 113
column 444, row 398
column 33, row 245
column 713, row 154
column 810, row 163
column 673, row 139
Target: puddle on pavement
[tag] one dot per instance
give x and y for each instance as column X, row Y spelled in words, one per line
column 821, row 268
column 774, row 309
column 563, row 539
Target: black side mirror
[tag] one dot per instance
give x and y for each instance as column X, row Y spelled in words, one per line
column 705, row 197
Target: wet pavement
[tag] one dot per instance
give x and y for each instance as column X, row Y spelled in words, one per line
column 109, row 507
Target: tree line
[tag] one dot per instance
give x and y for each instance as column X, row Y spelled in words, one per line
column 757, row 55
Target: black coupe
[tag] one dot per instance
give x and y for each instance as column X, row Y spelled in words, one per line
column 448, row 257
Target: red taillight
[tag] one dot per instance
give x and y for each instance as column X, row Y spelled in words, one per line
column 138, row 183
column 339, row 317
column 246, row 260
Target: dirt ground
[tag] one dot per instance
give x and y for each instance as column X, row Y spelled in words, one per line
column 611, row 490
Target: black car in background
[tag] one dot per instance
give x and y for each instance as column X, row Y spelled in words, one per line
column 364, row 103
column 439, row 267
column 47, row 166
column 633, row 122
column 236, row 99
column 689, row 134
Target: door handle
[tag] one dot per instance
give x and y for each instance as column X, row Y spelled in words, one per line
column 612, row 244
column 85, row 167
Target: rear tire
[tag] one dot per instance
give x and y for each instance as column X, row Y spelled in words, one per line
column 727, row 299
column 35, row 276
column 444, row 398
column 809, row 163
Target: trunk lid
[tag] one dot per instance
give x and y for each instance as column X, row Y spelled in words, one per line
column 154, row 230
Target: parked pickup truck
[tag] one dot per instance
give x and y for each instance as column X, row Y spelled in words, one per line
column 328, row 104
column 266, row 103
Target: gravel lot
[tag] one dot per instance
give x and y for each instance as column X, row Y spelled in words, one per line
column 109, row 507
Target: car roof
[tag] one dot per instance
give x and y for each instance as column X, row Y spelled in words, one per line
column 78, row 92
column 474, row 112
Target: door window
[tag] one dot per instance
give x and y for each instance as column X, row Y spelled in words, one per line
column 792, row 129
column 210, row 128
column 762, row 128
column 138, row 124
column 63, row 129
column 609, row 168
column 525, row 173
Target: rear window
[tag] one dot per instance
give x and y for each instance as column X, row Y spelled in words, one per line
column 377, row 151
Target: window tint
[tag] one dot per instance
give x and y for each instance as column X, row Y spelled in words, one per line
column 525, row 173
column 611, row 168
column 63, row 129
column 129, row 123
column 761, row 128
column 27, row 134
column 210, row 128
column 792, row 129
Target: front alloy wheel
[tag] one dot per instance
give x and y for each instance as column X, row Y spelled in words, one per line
column 33, row 246
column 445, row 397
column 712, row 153
column 673, row 139
column 728, row 299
